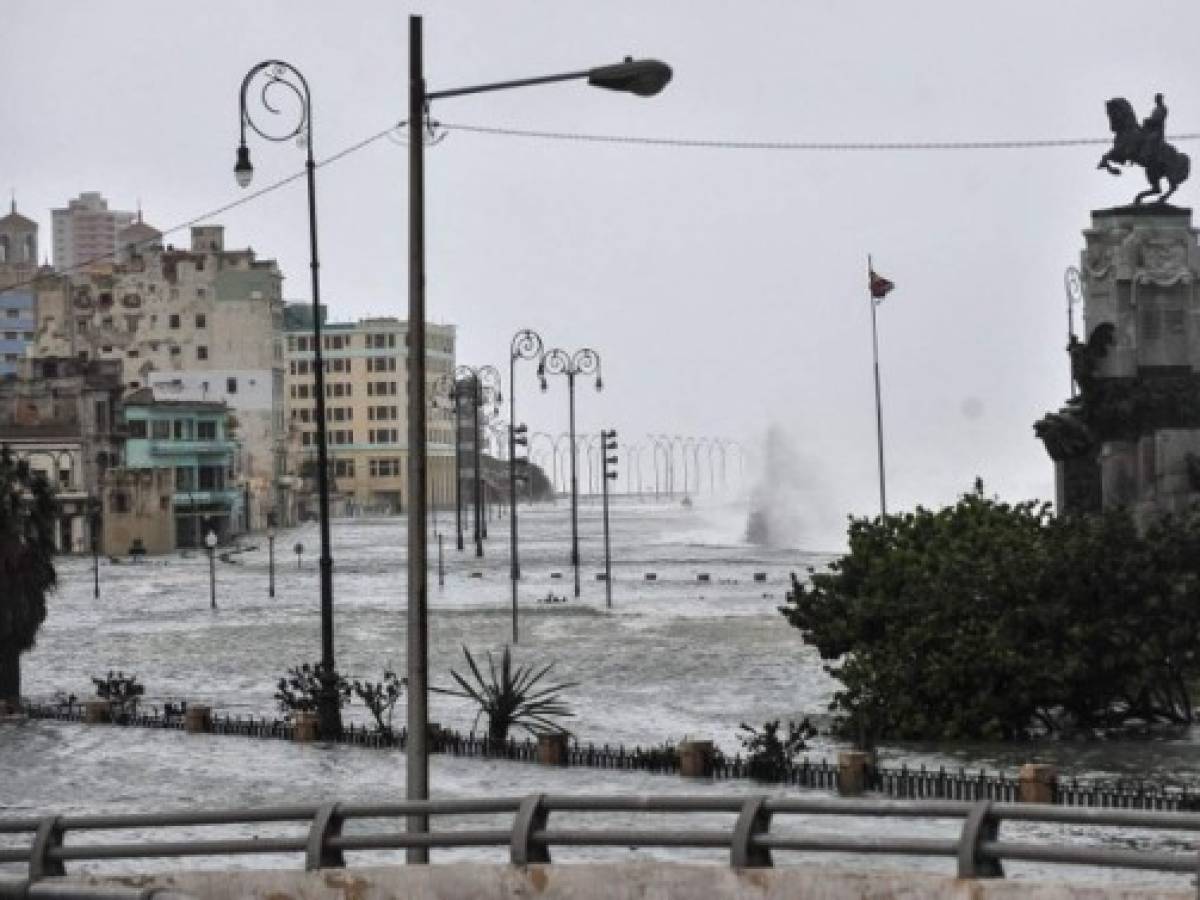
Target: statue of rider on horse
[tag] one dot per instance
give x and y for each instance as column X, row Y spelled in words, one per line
column 1144, row 145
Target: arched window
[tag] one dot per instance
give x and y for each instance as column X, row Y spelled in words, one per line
column 30, row 249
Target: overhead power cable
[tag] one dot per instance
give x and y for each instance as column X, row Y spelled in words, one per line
column 213, row 213
column 800, row 146
column 693, row 143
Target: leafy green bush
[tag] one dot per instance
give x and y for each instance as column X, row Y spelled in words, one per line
column 121, row 691
column 998, row 621
column 380, row 699
column 770, row 757
column 300, row 689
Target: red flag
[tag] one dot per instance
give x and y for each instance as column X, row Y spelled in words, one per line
column 878, row 285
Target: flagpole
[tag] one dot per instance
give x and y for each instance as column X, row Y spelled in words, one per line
column 878, row 402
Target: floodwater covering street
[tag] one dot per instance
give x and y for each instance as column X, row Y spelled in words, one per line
column 675, row 657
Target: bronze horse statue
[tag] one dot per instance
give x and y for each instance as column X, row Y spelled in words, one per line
column 1144, row 145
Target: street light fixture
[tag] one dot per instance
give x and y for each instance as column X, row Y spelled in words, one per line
column 279, row 75
column 210, row 541
column 641, row 77
column 583, row 362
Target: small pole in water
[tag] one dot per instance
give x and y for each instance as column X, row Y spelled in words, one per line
column 441, row 567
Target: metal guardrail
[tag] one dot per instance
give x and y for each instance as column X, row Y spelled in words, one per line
column 978, row 851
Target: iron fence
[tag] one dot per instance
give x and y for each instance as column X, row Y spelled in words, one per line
column 899, row 782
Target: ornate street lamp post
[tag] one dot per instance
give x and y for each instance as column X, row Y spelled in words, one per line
column 526, row 344
column 1074, row 288
column 583, row 362
column 447, row 383
column 642, row 77
column 484, row 386
column 210, row 541
column 94, row 527
column 277, row 75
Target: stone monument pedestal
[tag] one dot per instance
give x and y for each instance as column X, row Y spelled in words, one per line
column 1134, row 428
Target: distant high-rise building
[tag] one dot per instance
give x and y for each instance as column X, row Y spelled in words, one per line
column 366, row 406
column 87, row 230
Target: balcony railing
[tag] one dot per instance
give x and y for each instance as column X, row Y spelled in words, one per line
column 170, row 447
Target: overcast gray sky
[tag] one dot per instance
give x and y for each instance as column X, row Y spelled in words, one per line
column 724, row 289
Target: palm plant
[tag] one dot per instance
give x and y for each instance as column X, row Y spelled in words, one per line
column 512, row 698
column 27, row 513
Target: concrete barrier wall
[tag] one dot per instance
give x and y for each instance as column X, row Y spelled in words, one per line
column 608, row 881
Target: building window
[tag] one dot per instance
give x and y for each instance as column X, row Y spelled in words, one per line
column 206, row 430
column 201, row 321
column 119, row 500
column 231, row 385
column 211, row 478
column 174, row 321
column 343, row 468
column 13, row 313
column 201, row 353
column 384, row 468
column 161, row 430
column 137, row 428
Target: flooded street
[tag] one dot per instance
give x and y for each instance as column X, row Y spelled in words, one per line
column 675, row 657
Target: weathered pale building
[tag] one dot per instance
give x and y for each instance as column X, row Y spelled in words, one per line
column 202, row 324
column 190, row 439
column 138, row 512
column 18, row 299
column 62, row 416
column 366, row 407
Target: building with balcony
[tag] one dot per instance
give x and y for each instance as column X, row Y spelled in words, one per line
column 366, row 407
column 191, row 438
column 202, row 324
column 63, row 417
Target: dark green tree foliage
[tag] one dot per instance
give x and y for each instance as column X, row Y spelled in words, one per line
column 770, row 756
column 998, row 621
column 512, row 697
column 27, row 513
column 380, row 699
column 300, row 689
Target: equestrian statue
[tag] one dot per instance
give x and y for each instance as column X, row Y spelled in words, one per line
column 1144, row 145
